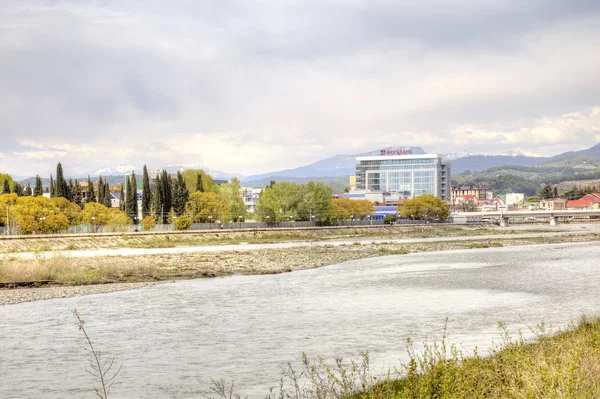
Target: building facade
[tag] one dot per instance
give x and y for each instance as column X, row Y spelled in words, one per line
column 477, row 192
column 401, row 172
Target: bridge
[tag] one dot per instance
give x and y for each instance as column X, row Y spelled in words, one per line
column 553, row 216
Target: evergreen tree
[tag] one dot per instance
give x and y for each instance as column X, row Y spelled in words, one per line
column 122, row 199
column 128, row 203
column 146, row 193
column 51, row 191
column 100, row 190
column 157, row 200
column 5, row 187
column 90, row 195
column 77, row 195
column 555, row 192
column 167, row 191
column 61, row 188
column 70, row 190
column 18, row 189
column 547, row 192
column 134, row 204
column 28, row 192
column 39, row 189
column 199, row 185
column 181, row 195
column 107, row 201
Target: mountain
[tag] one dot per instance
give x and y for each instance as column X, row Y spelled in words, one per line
column 584, row 158
column 478, row 163
column 119, row 170
column 336, row 166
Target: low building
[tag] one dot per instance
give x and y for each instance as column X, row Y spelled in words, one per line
column 462, row 191
column 556, row 204
column 250, row 197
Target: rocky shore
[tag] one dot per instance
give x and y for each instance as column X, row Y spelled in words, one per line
column 13, row 296
column 80, row 276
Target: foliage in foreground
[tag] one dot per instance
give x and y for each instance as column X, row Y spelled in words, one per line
column 561, row 366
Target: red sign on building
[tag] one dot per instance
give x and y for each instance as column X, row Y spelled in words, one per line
column 396, row 152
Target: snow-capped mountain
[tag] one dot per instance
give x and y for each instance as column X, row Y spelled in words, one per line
column 118, row 170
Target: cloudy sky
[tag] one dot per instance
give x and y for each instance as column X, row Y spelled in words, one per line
column 254, row 86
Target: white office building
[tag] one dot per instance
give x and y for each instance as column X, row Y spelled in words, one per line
column 404, row 173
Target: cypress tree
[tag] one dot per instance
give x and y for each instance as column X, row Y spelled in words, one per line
column 70, row 190
column 122, row 199
column 90, row 195
column 28, row 192
column 51, row 191
column 39, row 189
column 107, row 201
column 199, row 185
column 167, row 191
column 180, row 194
column 157, row 199
column 60, row 184
column 5, row 187
column 18, row 189
column 134, row 203
column 128, row 204
column 146, row 193
column 100, row 190
column 77, row 196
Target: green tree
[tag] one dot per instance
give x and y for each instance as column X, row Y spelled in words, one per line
column 280, row 203
column 180, row 195
column 207, row 207
column 232, row 193
column 122, row 199
column 51, row 191
column 315, row 202
column 425, row 207
column 146, row 194
column 134, row 203
column 91, row 194
column 61, row 188
column 101, row 190
column 547, row 192
column 39, row 189
column 28, row 191
column 18, row 189
column 129, row 197
column 166, row 191
column 77, row 194
column 190, row 176
column 156, row 208
column 6, row 187
column 6, row 181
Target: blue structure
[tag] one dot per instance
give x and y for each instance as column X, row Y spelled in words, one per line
column 382, row 211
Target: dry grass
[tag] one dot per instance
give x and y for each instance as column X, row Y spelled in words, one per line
column 258, row 236
column 76, row 271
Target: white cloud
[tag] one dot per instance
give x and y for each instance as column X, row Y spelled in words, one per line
column 250, row 87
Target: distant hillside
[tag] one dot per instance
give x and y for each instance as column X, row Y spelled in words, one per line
column 337, row 183
column 478, row 163
column 339, row 165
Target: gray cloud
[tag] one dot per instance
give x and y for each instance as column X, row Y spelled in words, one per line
column 253, row 86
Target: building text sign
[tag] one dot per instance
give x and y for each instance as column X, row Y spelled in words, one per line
column 396, row 152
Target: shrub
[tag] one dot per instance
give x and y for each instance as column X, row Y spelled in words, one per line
column 148, row 223
column 183, row 222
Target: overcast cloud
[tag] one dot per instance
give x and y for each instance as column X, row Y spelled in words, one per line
column 254, row 86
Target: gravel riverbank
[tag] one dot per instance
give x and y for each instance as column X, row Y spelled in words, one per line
column 13, row 296
column 75, row 276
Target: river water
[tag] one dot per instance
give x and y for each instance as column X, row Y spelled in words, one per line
column 172, row 338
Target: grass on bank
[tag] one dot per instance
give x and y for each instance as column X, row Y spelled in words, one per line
column 253, row 237
column 562, row 366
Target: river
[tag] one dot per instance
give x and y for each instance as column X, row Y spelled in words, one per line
column 172, row 338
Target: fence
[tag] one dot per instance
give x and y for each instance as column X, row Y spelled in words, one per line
column 131, row 228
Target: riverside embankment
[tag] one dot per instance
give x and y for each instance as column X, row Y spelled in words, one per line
column 171, row 338
column 24, row 272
